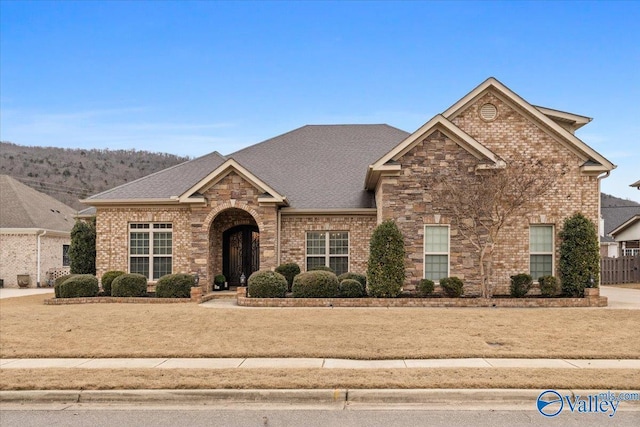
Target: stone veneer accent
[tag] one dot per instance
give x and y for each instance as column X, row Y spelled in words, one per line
column 196, row 228
column 294, row 229
column 406, row 198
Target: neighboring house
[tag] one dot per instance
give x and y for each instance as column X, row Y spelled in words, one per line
column 619, row 227
column 636, row 184
column 314, row 196
column 34, row 233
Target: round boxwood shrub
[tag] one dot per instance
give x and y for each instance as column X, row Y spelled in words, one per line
column 289, row 270
column 175, row 286
column 452, row 286
column 322, row 268
column 107, row 279
column 549, row 286
column 59, row 281
column 353, row 276
column 520, row 285
column 129, row 285
column 79, row 286
column 316, row 284
column 425, row 287
column 351, row 288
column 267, row 284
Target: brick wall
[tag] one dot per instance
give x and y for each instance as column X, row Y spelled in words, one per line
column 406, row 198
column 19, row 255
column 293, row 237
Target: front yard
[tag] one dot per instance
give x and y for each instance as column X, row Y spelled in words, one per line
column 28, row 328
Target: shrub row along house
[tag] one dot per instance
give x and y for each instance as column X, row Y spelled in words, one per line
column 313, row 196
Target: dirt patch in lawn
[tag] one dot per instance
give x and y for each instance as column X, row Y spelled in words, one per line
column 107, row 379
column 28, row 328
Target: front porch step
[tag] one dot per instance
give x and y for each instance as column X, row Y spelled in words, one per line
column 219, row 295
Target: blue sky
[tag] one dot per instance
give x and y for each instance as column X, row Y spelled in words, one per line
column 192, row 77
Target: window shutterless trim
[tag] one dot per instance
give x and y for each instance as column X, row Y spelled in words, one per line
column 549, row 253
column 425, row 253
column 327, row 248
column 150, row 229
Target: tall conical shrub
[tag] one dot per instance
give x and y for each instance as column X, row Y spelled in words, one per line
column 579, row 255
column 385, row 270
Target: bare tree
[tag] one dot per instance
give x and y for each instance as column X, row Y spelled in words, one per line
column 481, row 201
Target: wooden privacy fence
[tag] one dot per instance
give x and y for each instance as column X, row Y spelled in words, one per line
column 625, row 269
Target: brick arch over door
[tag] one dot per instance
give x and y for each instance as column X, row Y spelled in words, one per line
column 221, row 254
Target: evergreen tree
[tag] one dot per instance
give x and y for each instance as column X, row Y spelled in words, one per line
column 385, row 271
column 579, row 255
column 82, row 252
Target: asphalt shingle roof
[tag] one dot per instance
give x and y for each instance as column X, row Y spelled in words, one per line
column 315, row 167
column 23, row 207
column 616, row 211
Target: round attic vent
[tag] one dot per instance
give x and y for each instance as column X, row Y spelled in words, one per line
column 488, row 112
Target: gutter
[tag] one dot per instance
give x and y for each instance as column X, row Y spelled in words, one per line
column 44, row 232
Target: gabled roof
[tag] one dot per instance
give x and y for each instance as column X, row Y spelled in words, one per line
column 164, row 186
column 23, row 207
column 628, row 223
column 636, row 184
column 599, row 163
column 387, row 162
column 313, row 167
column 616, row 211
column 194, row 193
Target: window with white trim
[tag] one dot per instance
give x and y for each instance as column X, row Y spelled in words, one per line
column 328, row 248
column 151, row 249
column 540, row 251
column 436, row 252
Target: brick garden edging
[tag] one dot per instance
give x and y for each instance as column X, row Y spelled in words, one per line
column 114, row 300
column 590, row 301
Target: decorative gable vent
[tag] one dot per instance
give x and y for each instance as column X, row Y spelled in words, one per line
column 488, row 112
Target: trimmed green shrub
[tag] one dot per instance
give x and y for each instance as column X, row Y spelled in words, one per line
column 107, row 279
column 82, row 251
column 175, row 286
column 385, row 269
column 351, row 288
column 452, row 286
column 548, row 286
column 59, row 281
column 267, row 284
column 425, row 287
column 579, row 255
column 289, row 270
column 322, row 268
column 78, row 286
column 219, row 279
column 129, row 285
column 353, row 276
column 316, row 284
column 520, row 285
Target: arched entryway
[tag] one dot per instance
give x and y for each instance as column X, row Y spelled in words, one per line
column 240, row 253
column 234, row 245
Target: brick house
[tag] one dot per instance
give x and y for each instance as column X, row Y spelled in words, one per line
column 35, row 233
column 314, row 195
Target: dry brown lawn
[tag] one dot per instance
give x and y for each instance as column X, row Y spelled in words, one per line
column 109, row 379
column 30, row 329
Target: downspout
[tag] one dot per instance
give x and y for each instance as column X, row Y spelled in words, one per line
column 600, row 178
column 38, row 273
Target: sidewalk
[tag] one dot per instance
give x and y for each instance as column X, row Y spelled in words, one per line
column 309, row 363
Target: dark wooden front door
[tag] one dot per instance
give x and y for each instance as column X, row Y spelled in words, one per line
column 240, row 253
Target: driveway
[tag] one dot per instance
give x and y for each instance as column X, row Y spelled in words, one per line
column 621, row 297
column 17, row 292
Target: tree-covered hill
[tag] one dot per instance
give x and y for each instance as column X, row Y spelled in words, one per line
column 72, row 174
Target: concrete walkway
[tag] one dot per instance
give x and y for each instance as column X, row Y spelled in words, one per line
column 288, row 363
column 17, row 292
column 621, row 297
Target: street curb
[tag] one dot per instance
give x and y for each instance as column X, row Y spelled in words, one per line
column 440, row 397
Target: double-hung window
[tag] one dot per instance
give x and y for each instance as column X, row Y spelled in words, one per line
column 151, row 249
column 540, row 250
column 436, row 252
column 328, row 248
